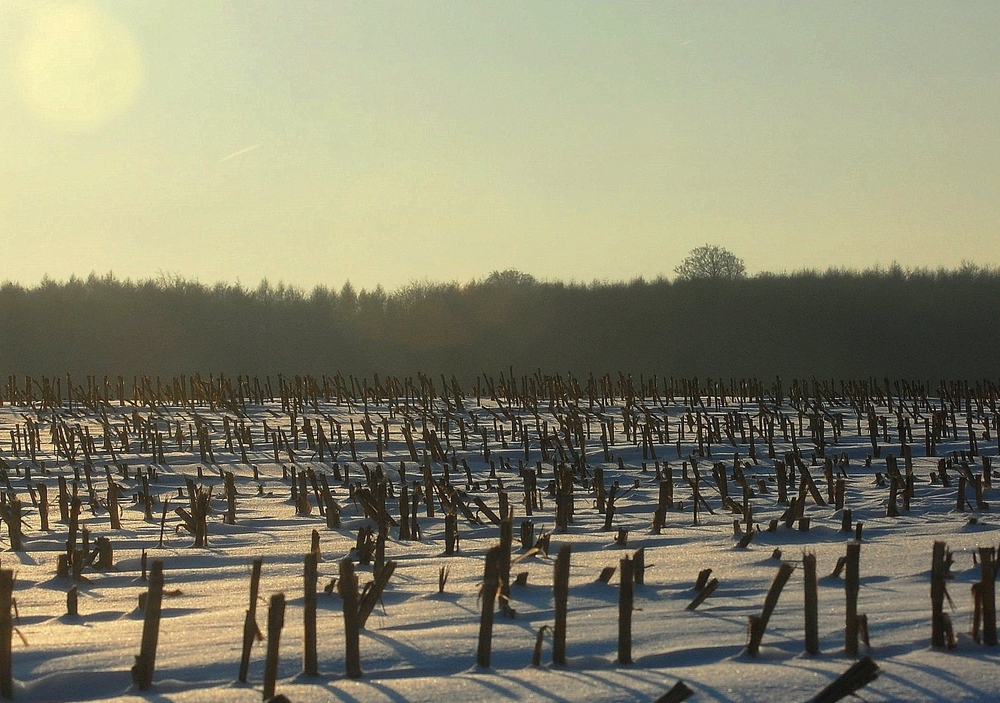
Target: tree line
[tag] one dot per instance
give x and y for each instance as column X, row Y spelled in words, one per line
column 918, row 324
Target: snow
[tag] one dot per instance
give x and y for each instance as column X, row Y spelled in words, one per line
column 420, row 645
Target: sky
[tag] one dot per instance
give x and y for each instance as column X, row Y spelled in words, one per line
column 382, row 143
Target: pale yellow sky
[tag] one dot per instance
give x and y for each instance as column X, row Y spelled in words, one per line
column 385, row 142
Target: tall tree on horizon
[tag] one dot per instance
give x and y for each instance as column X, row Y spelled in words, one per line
column 711, row 261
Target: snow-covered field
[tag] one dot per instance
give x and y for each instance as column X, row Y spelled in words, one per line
column 420, row 644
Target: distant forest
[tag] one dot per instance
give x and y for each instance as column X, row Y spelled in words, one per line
column 920, row 325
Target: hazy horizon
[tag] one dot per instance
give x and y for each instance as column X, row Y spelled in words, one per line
column 167, row 279
column 313, row 143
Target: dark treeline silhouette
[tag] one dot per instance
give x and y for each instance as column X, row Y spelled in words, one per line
column 921, row 324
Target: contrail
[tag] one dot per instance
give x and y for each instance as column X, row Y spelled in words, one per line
column 241, row 152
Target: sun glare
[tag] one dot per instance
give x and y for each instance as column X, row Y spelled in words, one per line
column 78, row 68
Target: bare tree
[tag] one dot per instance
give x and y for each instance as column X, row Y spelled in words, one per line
column 509, row 277
column 711, row 261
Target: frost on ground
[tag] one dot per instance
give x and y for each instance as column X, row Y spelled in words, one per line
column 420, row 644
